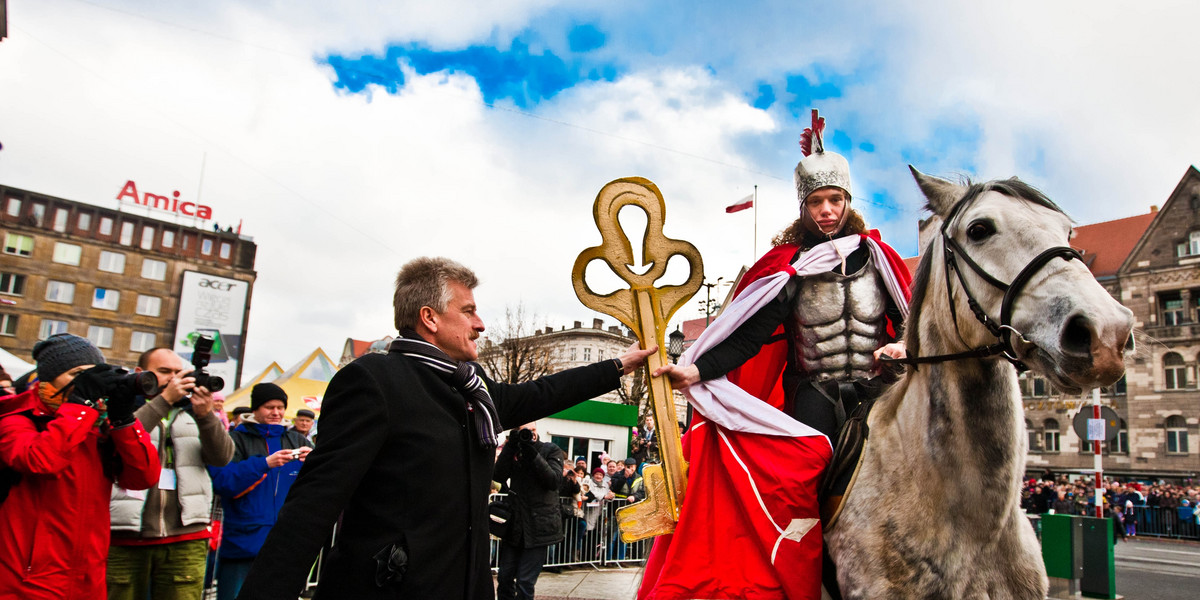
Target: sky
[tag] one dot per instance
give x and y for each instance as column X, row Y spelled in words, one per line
column 348, row 138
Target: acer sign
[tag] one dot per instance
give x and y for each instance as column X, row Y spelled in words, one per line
column 171, row 204
column 214, row 307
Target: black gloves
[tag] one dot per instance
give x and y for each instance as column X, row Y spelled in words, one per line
column 92, row 384
column 104, row 381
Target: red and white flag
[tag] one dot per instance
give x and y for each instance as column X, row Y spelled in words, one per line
column 742, row 204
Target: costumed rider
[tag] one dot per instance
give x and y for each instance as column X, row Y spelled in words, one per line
column 789, row 364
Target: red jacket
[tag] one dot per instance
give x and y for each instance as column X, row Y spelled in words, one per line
column 54, row 528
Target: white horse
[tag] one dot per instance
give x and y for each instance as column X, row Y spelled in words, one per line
column 934, row 511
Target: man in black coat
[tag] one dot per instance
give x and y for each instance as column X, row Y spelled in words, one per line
column 407, row 447
column 530, row 471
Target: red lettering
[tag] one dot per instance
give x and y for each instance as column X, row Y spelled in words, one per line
column 186, row 208
column 203, row 212
column 130, row 190
column 155, row 200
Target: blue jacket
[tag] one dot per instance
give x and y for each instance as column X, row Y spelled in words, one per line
column 251, row 493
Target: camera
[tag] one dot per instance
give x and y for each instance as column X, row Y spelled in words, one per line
column 134, row 384
column 201, row 355
column 524, row 435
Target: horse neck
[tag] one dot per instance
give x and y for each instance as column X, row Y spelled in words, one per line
column 967, row 414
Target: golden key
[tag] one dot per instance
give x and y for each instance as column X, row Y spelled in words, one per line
column 645, row 309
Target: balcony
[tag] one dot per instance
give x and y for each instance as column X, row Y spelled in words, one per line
column 1172, row 333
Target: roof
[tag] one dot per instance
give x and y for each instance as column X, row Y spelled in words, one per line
column 1106, row 245
column 304, row 382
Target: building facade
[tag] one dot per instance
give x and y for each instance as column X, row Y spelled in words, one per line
column 1151, row 264
column 114, row 277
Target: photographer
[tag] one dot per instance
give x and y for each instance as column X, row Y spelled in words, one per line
column 254, row 484
column 531, row 472
column 68, row 437
column 160, row 537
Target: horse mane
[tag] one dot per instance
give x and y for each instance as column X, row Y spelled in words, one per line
column 1012, row 187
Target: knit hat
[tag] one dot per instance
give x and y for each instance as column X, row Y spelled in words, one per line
column 304, row 412
column 265, row 392
column 62, row 352
column 241, row 410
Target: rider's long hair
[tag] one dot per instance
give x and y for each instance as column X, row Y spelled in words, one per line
column 798, row 234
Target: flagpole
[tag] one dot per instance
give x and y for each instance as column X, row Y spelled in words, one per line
column 755, row 256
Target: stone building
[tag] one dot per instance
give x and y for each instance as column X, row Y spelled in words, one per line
column 1151, row 264
column 118, row 278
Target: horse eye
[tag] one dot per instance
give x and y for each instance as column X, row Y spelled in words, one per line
column 980, row 230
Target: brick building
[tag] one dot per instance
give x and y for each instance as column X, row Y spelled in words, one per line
column 114, row 277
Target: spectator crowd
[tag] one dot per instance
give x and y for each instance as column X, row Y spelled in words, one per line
column 1158, row 508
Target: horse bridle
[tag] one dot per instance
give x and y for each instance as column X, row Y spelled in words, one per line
column 1003, row 330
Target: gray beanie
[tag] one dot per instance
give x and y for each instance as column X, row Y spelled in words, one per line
column 62, row 352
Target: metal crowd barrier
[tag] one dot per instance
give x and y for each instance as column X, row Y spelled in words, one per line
column 590, row 540
column 1166, row 522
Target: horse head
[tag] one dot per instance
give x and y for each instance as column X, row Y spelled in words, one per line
column 1005, row 273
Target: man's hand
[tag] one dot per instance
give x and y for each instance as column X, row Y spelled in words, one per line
column 680, row 377
column 304, row 450
column 281, row 458
column 181, row 386
column 635, row 357
column 202, row 401
column 894, row 350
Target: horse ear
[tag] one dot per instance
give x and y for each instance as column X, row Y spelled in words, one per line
column 941, row 193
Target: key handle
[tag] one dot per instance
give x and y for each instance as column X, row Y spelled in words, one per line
column 616, row 251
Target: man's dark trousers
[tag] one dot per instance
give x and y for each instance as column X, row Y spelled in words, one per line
column 519, row 570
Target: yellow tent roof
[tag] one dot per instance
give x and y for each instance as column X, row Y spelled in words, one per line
column 304, row 382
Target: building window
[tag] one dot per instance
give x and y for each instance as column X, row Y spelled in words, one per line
column 60, row 291
column 21, row 245
column 1050, row 435
column 1120, row 444
column 39, row 214
column 106, row 299
column 142, row 341
column 126, row 233
column 106, row 225
column 12, row 284
column 85, row 222
column 67, row 254
column 147, row 238
column 1033, row 438
column 154, row 269
column 112, row 262
column 60, row 219
column 8, row 324
column 14, row 207
column 150, row 306
column 1174, row 372
column 1173, row 312
column 587, row 355
column 168, row 240
column 50, row 327
column 572, row 354
column 206, row 246
column 226, row 248
column 1193, row 243
column 100, row 336
column 1177, row 435
column 1118, row 388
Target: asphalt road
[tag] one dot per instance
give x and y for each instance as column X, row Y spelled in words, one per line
column 1150, row 569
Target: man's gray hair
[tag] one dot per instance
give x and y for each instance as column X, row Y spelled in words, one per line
column 425, row 282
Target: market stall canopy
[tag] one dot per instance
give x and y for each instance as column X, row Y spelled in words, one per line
column 304, row 382
column 13, row 365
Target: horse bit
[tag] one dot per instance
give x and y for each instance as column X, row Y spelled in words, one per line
column 1004, row 330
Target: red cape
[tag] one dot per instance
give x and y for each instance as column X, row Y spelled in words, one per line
column 750, row 525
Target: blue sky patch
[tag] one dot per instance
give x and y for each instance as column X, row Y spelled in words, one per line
column 765, row 98
column 519, row 74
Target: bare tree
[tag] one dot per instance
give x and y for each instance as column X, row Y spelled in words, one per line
column 520, row 354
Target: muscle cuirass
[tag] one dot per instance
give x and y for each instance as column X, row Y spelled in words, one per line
column 837, row 323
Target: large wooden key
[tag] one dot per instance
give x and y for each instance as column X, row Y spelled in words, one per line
column 645, row 309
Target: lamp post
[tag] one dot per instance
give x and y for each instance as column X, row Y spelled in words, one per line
column 709, row 307
column 675, row 344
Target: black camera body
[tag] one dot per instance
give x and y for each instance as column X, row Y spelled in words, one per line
column 201, row 355
column 524, row 435
column 135, row 384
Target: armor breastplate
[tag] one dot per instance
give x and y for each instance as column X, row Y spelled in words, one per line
column 837, row 323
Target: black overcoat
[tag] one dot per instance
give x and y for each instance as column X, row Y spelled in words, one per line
column 399, row 456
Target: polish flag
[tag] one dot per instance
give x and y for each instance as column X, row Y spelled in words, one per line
column 742, row 204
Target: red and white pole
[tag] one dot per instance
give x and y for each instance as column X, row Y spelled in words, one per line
column 1097, row 457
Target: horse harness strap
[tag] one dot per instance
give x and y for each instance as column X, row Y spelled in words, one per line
column 1004, row 330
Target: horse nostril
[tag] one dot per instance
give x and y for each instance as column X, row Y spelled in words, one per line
column 1077, row 336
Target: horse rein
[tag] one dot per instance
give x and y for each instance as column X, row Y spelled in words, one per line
column 1004, row 329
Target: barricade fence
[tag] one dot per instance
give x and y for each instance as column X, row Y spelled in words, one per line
column 1181, row 522
column 591, row 537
